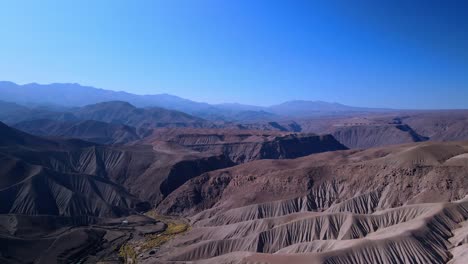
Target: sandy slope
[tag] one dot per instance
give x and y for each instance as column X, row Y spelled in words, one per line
column 403, row 204
column 422, row 233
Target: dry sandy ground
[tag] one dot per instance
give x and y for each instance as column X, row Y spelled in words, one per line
column 401, row 204
column 422, row 233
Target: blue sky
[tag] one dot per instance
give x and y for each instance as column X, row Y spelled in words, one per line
column 401, row 54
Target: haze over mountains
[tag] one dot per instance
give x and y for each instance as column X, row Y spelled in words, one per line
column 77, row 95
column 105, row 116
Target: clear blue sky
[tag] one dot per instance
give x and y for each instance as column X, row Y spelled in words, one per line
column 402, row 54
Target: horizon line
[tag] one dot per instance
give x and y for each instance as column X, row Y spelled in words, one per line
column 225, row 102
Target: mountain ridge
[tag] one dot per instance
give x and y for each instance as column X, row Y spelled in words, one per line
column 73, row 94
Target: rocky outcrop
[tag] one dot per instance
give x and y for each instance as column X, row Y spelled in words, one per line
column 245, row 146
column 368, row 136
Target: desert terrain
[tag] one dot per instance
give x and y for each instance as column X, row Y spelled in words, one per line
column 114, row 182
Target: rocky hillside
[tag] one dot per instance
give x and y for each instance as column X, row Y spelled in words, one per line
column 335, row 207
column 368, row 136
column 244, row 146
column 37, row 179
column 119, row 112
column 89, row 130
column 114, row 112
column 398, row 169
column 124, row 175
column 373, row 130
column 73, row 177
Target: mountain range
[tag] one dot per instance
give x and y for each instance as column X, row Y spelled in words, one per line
column 73, row 94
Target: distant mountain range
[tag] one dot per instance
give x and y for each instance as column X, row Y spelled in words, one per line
column 108, row 122
column 116, row 112
column 75, row 95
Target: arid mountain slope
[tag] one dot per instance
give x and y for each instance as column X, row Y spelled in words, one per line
column 440, row 125
column 423, row 233
column 107, row 123
column 368, row 136
column 89, row 130
column 355, row 206
column 33, row 180
column 114, row 112
column 65, row 177
column 244, row 146
column 149, row 172
column 42, row 191
column 119, row 112
column 12, row 113
column 408, row 172
column 373, row 130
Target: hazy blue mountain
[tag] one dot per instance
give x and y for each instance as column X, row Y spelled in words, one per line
column 58, row 95
column 113, row 112
column 302, row 108
column 89, row 130
column 12, row 113
column 239, row 107
column 8, row 109
column 72, row 94
column 119, row 112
